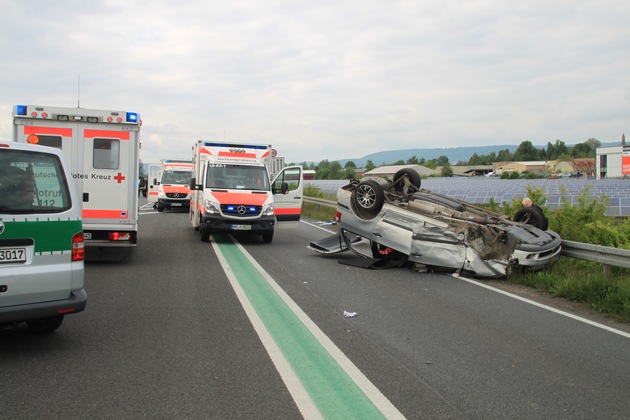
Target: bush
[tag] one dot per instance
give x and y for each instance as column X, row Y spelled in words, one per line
column 312, row 191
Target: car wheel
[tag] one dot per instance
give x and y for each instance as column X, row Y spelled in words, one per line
column 205, row 235
column 46, row 324
column 267, row 238
column 404, row 186
column 368, row 199
column 531, row 216
column 160, row 208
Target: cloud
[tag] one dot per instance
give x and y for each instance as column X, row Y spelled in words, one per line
column 327, row 80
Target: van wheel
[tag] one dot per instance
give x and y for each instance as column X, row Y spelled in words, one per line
column 46, row 324
column 532, row 216
column 405, row 185
column 267, row 238
column 205, row 235
column 160, row 209
column 368, row 199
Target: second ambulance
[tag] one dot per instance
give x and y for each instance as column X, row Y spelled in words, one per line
column 231, row 190
column 173, row 191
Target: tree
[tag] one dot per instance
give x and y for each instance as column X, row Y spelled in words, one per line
column 594, row 143
column 141, row 173
column 335, row 171
column 369, row 165
column 526, row 151
column 447, row 170
column 582, row 150
column 554, row 151
column 504, row 156
column 431, row 164
column 413, row 160
column 350, row 164
column 442, row 160
column 474, row 160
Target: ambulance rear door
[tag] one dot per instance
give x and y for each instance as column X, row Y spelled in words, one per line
column 288, row 207
column 110, row 156
column 155, row 174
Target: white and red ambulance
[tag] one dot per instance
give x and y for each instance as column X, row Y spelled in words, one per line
column 173, row 191
column 231, row 190
column 101, row 148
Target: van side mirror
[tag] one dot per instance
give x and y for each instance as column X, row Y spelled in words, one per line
column 193, row 184
column 284, row 189
column 155, row 181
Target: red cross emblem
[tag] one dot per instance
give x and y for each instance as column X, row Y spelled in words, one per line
column 119, row 178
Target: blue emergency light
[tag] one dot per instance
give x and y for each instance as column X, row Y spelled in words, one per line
column 241, row 146
column 132, row 117
column 20, row 110
column 232, row 209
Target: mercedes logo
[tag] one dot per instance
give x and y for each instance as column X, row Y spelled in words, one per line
column 241, row 210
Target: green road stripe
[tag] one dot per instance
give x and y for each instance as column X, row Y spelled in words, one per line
column 334, row 393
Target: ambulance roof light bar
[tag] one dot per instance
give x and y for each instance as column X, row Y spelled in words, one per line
column 245, row 146
column 130, row 117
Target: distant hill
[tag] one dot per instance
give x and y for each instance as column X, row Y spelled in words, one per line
column 454, row 154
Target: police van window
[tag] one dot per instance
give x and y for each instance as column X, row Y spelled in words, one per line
column 106, row 154
column 50, row 141
column 32, row 183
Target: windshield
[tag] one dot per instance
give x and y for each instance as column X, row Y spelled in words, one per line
column 32, row 183
column 176, row 177
column 239, row 177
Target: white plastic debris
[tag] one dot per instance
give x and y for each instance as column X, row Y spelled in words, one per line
column 349, row 314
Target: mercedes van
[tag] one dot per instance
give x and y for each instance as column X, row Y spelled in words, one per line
column 41, row 238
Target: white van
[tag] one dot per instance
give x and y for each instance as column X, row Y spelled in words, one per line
column 41, row 238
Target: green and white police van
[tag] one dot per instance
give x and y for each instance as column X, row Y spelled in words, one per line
column 41, row 238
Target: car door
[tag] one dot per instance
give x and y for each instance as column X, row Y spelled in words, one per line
column 288, row 206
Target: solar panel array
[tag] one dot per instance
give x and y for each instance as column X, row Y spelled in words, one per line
column 481, row 190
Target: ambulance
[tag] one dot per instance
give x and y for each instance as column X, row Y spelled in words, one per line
column 101, row 148
column 231, row 190
column 173, row 191
column 154, row 171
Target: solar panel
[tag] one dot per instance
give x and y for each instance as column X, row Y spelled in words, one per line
column 481, row 190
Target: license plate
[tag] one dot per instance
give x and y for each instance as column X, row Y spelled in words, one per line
column 87, row 235
column 12, row 255
column 241, row 227
column 176, row 204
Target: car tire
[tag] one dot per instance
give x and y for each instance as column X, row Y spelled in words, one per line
column 267, row 238
column 532, row 216
column 414, row 179
column 160, row 208
column 368, row 199
column 205, row 235
column 46, row 324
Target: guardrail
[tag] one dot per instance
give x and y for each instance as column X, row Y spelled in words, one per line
column 608, row 256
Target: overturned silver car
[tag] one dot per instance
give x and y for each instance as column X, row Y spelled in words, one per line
column 399, row 218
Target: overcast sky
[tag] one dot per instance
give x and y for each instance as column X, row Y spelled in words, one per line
column 327, row 79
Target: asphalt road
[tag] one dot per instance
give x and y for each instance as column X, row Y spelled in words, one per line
column 169, row 333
